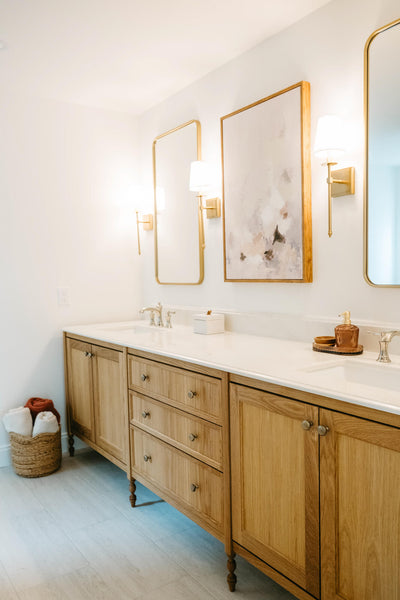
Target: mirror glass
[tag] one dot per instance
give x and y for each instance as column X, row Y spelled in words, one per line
column 178, row 219
column 382, row 194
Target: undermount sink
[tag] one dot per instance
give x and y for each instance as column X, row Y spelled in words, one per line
column 372, row 374
column 132, row 328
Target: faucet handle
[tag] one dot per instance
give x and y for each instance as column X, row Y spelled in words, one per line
column 168, row 321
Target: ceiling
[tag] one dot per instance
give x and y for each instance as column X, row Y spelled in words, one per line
column 129, row 55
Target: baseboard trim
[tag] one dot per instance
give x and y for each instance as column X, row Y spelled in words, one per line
column 5, row 456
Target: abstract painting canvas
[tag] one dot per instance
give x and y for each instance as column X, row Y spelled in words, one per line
column 267, row 189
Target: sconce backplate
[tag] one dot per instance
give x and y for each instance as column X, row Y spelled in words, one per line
column 212, row 207
column 347, row 185
column 147, row 222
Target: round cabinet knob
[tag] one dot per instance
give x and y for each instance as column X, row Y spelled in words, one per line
column 191, row 394
column 322, row 430
column 306, row 425
column 145, row 414
column 194, row 487
column 143, row 377
column 147, row 458
column 193, row 436
column 87, row 353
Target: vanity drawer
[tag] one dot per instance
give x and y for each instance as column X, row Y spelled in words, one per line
column 199, row 438
column 185, row 480
column 198, row 394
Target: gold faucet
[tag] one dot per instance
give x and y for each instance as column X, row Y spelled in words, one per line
column 154, row 310
column 385, row 338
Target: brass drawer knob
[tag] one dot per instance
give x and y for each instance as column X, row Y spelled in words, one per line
column 194, row 487
column 306, row 425
column 191, row 394
column 147, row 458
column 193, row 436
column 322, row 429
column 145, row 414
column 143, row 377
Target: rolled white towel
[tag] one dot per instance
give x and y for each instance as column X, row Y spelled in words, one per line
column 45, row 422
column 18, row 420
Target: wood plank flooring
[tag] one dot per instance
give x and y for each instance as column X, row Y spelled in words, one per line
column 74, row 536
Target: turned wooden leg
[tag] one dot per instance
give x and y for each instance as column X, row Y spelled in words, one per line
column 132, row 489
column 231, row 578
column 71, row 445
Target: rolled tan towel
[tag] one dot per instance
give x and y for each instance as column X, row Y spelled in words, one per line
column 45, row 422
column 18, row 420
column 37, row 405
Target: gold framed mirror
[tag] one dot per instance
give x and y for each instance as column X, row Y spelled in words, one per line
column 382, row 157
column 178, row 217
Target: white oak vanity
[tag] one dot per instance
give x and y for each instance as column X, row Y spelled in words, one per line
column 274, row 449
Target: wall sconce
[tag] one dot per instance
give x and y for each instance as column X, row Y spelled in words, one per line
column 329, row 145
column 200, row 181
column 147, row 222
column 143, row 202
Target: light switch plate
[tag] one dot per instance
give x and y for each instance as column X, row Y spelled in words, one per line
column 63, row 296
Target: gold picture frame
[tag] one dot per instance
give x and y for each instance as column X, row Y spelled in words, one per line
column 266, row 168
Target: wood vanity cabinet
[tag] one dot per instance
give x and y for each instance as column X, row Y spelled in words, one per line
column 305, row 487
column 316, row 509
column 179, row 444
column 275, row 483
column 97, row 397
column 360, row 509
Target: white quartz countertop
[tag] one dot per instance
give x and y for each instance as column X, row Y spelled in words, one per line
column 355, row 379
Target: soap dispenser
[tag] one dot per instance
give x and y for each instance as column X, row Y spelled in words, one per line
column 346, row 334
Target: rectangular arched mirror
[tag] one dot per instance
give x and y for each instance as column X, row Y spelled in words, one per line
column 178, row 218
column 382, row 165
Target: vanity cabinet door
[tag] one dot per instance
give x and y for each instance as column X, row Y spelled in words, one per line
column 110, row 404
column 275, row 483
column 80, row 388
column 360, row 509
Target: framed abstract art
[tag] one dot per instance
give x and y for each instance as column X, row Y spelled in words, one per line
column 267, row 189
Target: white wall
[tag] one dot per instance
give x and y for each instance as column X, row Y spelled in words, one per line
column 326, row 49
column 66, row 174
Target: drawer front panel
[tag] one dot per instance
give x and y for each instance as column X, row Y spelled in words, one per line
column 199, row 438
column 188, row 481
column 199, row 394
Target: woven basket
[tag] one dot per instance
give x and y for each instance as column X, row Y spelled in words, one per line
column 36, row 456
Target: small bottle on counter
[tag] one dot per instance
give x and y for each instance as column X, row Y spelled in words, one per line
column 346, row 334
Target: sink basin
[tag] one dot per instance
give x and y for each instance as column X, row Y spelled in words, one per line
column 371, row 374
column 131, row 328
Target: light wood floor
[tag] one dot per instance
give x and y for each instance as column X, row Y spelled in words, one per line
column 74, row 536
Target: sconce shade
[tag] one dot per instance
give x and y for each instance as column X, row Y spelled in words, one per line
column 200, row 179
column 329, row 138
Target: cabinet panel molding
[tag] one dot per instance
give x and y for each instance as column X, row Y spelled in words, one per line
column 360, row 509
column 110, row 405
column 275, row 509
column 80, row 388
